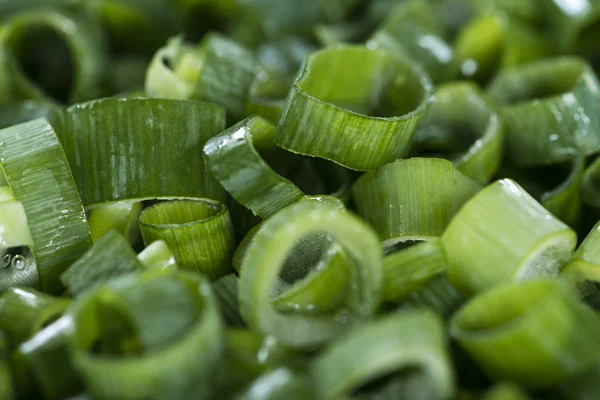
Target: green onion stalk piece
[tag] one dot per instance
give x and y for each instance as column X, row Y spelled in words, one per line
column 590, row 184
column 121, row 216
column 492, row 42
column 281, row 383
column 278, row 18
column 410, row 269
column 51, row 55
column 199, row 232
column 109, row 258
column 6, row 386
column 138, row 25
column 25, row 311
column 574, row 26
column 409, row 340
column 438, row 294
column 248, row 355
column 279, row 61
column 226, row 293
column 585, row 262
column 464, row 127
column 38, row 173
column 549, row 110
column 24, row 111
column 136, row 149
column 125, row 333
column 360, row 119
column 534, row 333
column 412, row 200
column 157, row 255
column 517, row 237
column 557, row 187
column 218, row 70
column 233, row 159
column 412, row 31
column 43, row 366
column 266, row 256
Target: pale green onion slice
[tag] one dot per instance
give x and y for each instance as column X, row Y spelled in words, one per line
column 121, row 216
column 265, row 257
column 157, row 255
column 37, row 171
column 517, row 237
column 535, row 333
column 412, row 200
column 410, row 340
column 359, row 118
column 549, row 110
column 199, row 232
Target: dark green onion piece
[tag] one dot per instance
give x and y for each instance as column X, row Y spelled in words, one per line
column 25, row 311
column 226, row 293
column 218, row 70
column 493, row 42
column 126, row 332
column 359, row 118
column 296, row 16
column 412, row 340
column 590, row 184
column 437, row 294
column 121, row 216
column 574, row 26
column 37, row 171
column 233, row 159
column 109, row 258
column 412, row 199
column 51, row 55
column 534, row 333
column 43, row 363
column 265, row 257
column 408, row 270
column 517, row 237
column 412, row 31
column 463, row 126
column 6, row 386
column 124, row 149
column 549, row 108
column 199, row 232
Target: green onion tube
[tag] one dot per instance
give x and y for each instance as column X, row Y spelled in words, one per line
column 493, row 42
column 24, row 311
column 463, row 126
column 359, row 119
column 585, row 262
column 514, row 234
column 199, row 232
column 109, row 258
column 404, row 339
column 226, row 293
column 412, row 31
column 218, row 70
column 412, row 199
column 408, row 270
column 549, row 110
column 71, row 72
column 265, row 257
column 37, row 171
column 233, row 159
column 125, row 333
column 534, row 333
column 121, row 216
column 280, row 383
column 157, row 255
column 126, row 149
column 438, row 294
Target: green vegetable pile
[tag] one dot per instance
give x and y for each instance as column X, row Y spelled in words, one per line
column 300, row 199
